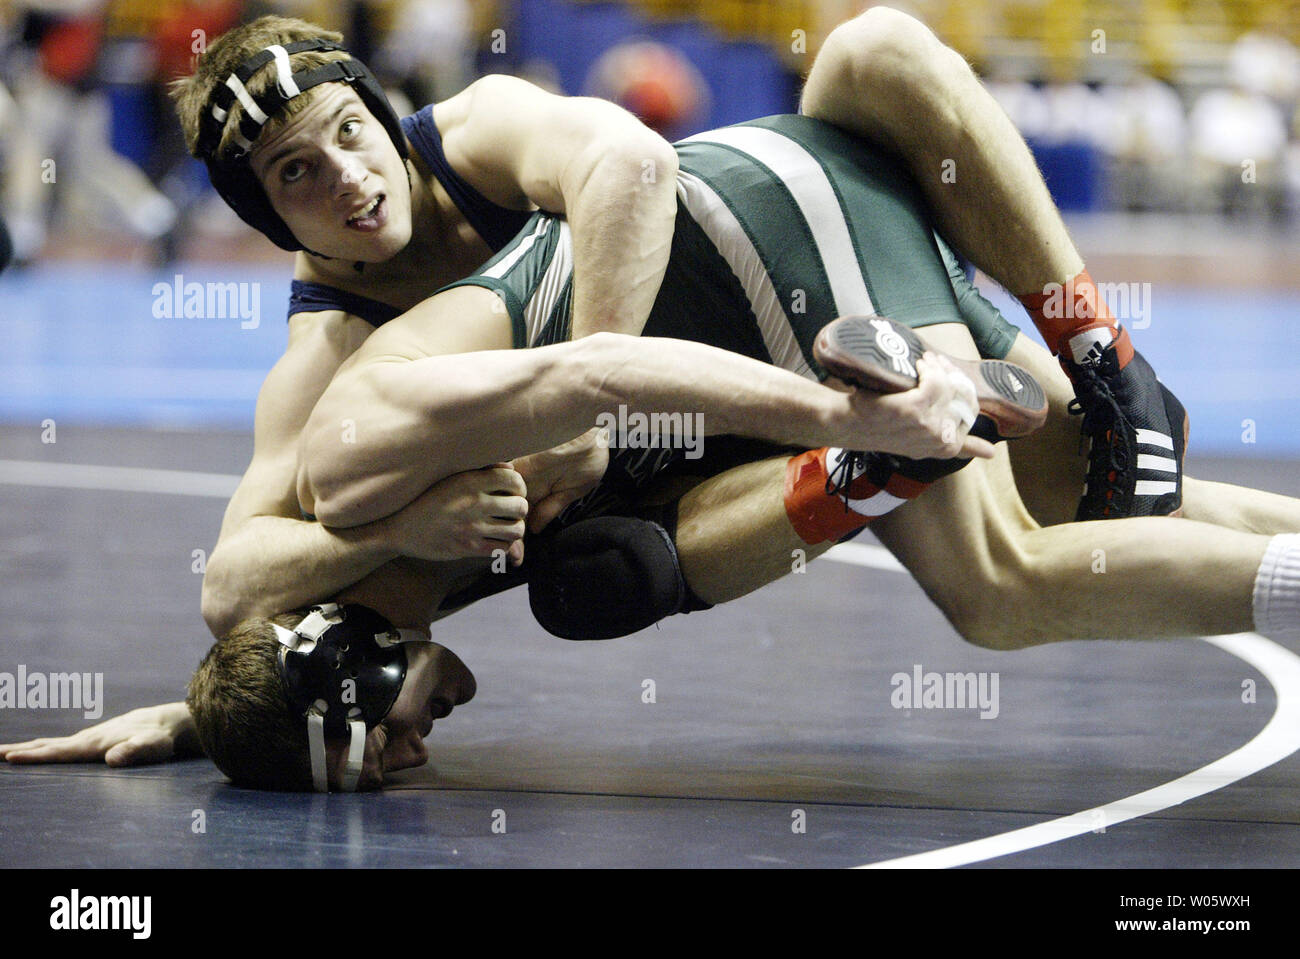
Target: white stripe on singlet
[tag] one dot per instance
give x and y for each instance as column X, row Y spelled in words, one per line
column 503, row 265
column 540, row 305
column 724, row 231
column 807, row 182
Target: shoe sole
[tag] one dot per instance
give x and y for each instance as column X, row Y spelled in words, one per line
column 880, row 355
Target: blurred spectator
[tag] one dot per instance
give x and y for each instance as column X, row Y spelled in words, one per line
column 1147, row 145
column 1238, row 141
column 1266, row 65
column 654, row 81
column 1025, row 104
column 429, row 50
column 56, row 141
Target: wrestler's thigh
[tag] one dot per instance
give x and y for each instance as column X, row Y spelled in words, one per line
column 961, row 535
column 963, row 541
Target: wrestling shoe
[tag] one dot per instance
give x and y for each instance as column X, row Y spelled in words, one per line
column 1137, row 430
column 880, row 354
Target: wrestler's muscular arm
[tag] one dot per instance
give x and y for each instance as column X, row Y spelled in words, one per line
column 269, row 558
column 613, row 179
column 419, row 414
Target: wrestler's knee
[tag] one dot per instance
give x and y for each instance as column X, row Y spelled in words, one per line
column 1003, row 602
column 881, row 53
column 989, row 628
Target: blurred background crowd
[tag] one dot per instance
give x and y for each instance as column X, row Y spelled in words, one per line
column 1173, row 106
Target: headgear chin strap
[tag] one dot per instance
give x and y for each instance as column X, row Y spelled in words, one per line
column 344, row 667
column 231, row 174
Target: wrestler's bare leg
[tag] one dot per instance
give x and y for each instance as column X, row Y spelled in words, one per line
column 978, row 553
column 733, row 535
column 885, row 76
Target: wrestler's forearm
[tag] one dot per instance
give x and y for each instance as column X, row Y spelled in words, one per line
column 622, row 220
column 411, row 422
column 271, row 564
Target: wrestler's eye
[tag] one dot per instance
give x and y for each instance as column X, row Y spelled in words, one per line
column 293, row 171
column 349, row 128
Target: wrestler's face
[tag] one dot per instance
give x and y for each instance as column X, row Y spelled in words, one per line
column 436, row 681
column 335, row 177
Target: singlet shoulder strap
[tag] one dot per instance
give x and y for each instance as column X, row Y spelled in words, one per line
column 496, row 224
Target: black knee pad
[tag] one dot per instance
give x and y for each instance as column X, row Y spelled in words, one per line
column 604, row 577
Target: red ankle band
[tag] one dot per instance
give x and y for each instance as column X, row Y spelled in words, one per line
column 818, row 517
column 1065, row 308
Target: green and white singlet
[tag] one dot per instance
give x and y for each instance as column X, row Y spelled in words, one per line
column 783, row 224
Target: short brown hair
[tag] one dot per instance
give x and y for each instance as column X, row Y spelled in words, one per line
column 242, row 713
column 224, row 55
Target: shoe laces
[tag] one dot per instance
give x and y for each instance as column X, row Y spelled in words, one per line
column 1110, row 432
column 839, row 477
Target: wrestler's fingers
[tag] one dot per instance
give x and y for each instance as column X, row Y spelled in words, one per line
column 7, row 748
column 507, row 508
column 974, row 447
column 141, row 750
column 505, row 480
column 69, row 749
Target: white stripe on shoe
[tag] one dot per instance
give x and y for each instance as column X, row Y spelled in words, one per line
column 1162, row 464
column 1154, row 438
column 1154, row 487
column 878, row 504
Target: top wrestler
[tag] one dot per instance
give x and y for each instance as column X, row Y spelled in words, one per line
column 483, row 157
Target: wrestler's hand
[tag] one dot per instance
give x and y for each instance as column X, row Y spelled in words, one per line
column 467, row 514
column 153, row 734
column 932, row 420
column 562, row 475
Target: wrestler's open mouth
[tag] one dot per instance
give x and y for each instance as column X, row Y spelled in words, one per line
column 372, row 216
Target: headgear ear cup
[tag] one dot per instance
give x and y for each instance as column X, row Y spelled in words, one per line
column 342, row 668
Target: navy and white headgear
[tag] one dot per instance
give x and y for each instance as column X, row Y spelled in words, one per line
column 230, row 173
column 344, row 667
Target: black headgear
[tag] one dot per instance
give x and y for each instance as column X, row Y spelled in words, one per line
column 343, row 667
column 231, row 174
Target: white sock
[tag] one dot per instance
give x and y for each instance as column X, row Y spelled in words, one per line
column 1277, row 589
